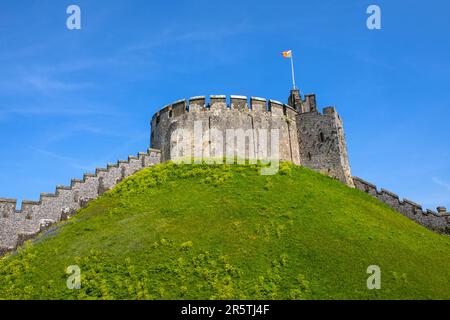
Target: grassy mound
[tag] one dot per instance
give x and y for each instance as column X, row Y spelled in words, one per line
column 222, row 232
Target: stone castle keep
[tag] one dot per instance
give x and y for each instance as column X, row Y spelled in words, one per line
column 306, row 137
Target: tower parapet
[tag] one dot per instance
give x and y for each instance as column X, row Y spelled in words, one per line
column 241, row 114
column 295, row 100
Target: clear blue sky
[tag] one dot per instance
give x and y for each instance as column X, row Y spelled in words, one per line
column 71, row 101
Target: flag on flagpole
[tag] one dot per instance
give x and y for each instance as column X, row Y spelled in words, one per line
column 287, row 54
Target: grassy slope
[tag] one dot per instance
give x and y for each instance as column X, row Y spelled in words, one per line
column 202, row 232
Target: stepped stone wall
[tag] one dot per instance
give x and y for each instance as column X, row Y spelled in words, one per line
column 17, row 226
column 437, row 221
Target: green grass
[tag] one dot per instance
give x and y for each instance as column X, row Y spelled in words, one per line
column 227, row 232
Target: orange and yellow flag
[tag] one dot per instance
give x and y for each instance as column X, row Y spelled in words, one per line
column 287, row 54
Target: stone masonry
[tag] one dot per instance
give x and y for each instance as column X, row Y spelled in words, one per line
column 306, row 137
column 436, row 221
column 17, row 226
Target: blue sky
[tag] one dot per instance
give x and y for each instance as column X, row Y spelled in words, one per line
column 71, row 101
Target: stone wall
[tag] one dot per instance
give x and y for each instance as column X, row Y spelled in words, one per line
column 322, row 143
column 216, row 117
column 16, row 226
column 306, row 137
column 436, row 221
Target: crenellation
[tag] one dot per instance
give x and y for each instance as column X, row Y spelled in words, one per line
column 258, row 104
column 432, row 212
column 88, row 175
column 310, row 103
column 28, row 210
column 30, row 202
column 133, row 166
column 218, row 103
column 86, row 190
column 295, row 100
column 164, row 114
column 151, row 158
column 291, row 113
column 410, row 210
column 50, row 209
column 98, row 170
column 365, row 186
column 428, row 218
column 412, row 203
column 7, row 207
column 60, row 187
column 178, row 108
column 47, row 195
column 389, row 198
column 75, row 181
column 217, row 98
column 276, row 108
column 196, row 104
column 389, row 193
column 108, row 179
column 239, row 103
column 329, row 110
column 35, row 216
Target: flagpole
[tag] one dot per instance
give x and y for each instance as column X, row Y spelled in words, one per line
column 292, row 68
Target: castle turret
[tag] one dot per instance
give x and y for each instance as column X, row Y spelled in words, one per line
column 295, row 100
column 322, row 141
column 305, row 136
column 309, row 104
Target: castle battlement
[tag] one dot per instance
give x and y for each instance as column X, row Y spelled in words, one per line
column 35, row 216
column 437, row 221
column 307, row 137
column 224, row 103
